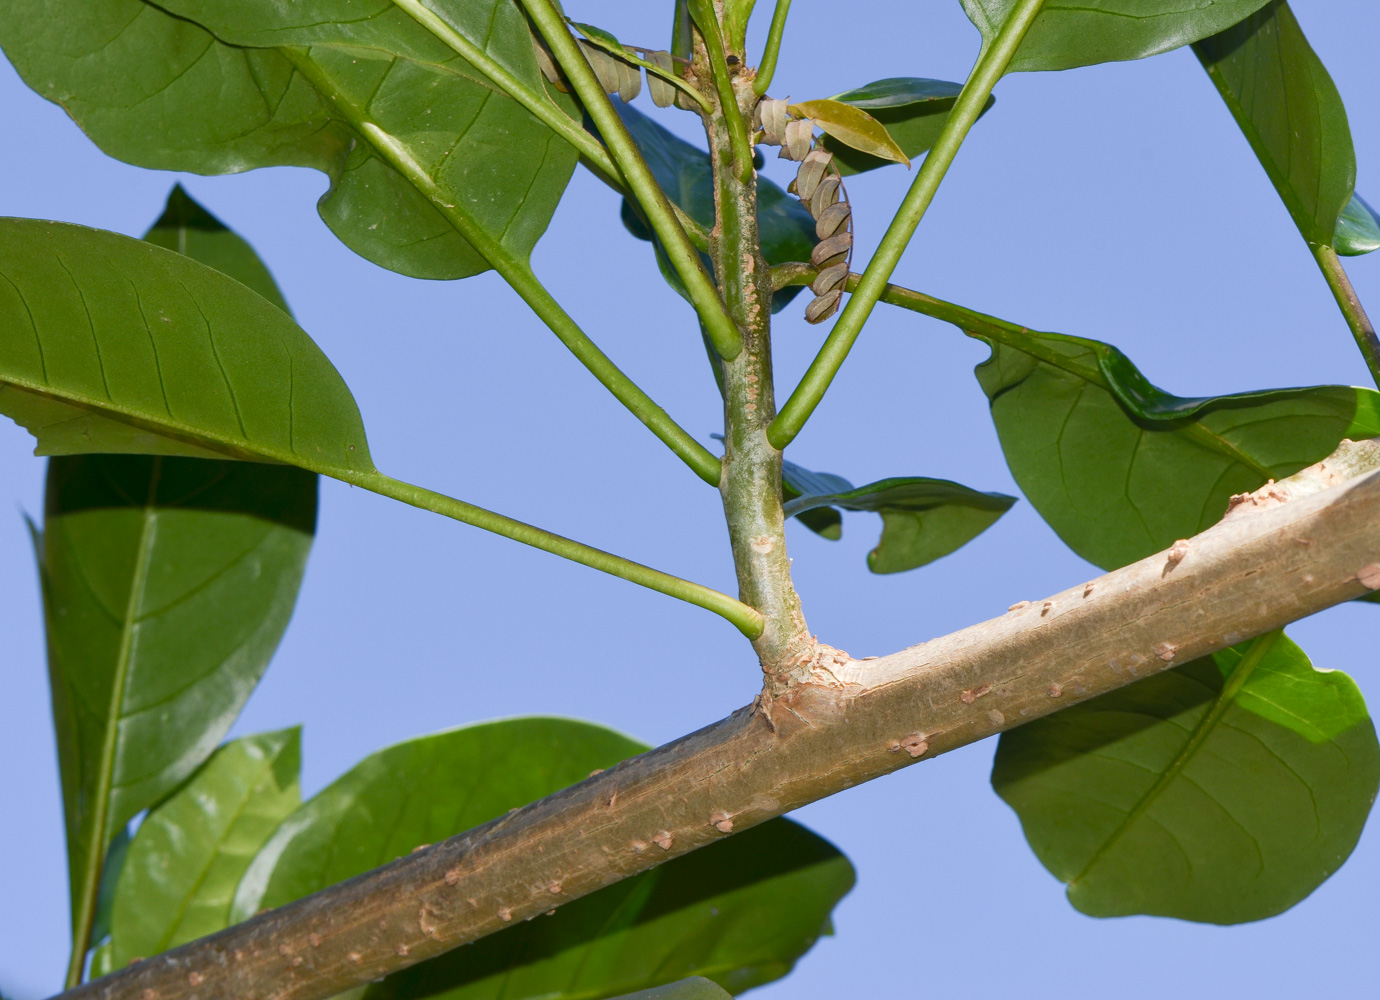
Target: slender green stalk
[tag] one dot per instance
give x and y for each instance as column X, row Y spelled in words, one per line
column 702, row 12
column 967, row 109
column 518, row 273
column 748, row 621
column 655, row 205
column 592, row 151
column 767, row 68
column 1351, row 307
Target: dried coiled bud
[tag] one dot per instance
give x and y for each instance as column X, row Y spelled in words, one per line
column 799, row 134
column 811, row 172
column 833, row 219
column 770, row 116
column 819, row 185
column 823, row 307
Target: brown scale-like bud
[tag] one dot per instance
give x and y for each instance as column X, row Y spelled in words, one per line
column 823, row 307
column 604, row 65
column 829, row 278
column 799, row 136
column 811, row 172
column 663, row 94
column 833, row 219
column 825, row 195
column 770, row 116
column 629, row 80
column 825, row 251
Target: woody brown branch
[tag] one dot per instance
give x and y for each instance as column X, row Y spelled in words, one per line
column 1293, row 549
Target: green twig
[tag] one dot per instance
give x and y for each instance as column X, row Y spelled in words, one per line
column 518, row 274
column 702, row 12
column 1351, row 307
column 655, row 205
column 767, row 68
column 967, row 109
column 748, row 621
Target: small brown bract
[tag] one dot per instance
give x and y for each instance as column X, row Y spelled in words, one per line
column 420, row 847
column 355, row 957
column 663, row 840
column 402, row 950
column 722, row 821
column 452, row 876
column 1056, row 690
column 1166, row 652
column 1176, row 553
column 638, row 846
column 1369, row 575
column 194, row 978
column 505, row 914
column 973, row 694
column 1018, row 605
column 915, row 744
column 1046, row 608
column 554, row 887
column 1087, row 590
column 597, row 770
column 314, row 939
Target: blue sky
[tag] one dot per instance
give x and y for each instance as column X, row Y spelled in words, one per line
column 1117, row 202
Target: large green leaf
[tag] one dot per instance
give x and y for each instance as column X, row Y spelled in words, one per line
column 922, row 519
column 415, row 142
column 850, row 125
column 167, row 585
column 739, row 911
column 109, row 344
column 1070, row 33
column 1174, row 797
column 684, row 172
column 190, row 852
column 1121, row 469
column 1281, row 95
column 913, row 109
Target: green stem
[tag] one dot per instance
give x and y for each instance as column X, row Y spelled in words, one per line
column 702, row 12
column 591, row 150
column 655, row 205
column 1247, row 664
column 1351, row 307
column 518, row 274
column 967, row 109
column 767, row 68
column 747, row 620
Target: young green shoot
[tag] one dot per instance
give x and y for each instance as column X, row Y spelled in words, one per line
column 766, row 69
column 1350, row 304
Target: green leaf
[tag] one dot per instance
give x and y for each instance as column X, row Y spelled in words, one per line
column 684, row 172
column 114, row 863
column 1070, row 33
column 1170, row 797
column 1281, row 95
column 853, row 127
column 912, row 109
column 1121, row 469
column 185, row 226
column 695, row 988
column 1288, row 690
column 922, row 519
column 432, row 171
column 167, row 585
column 797, row 481
column 108, row 344
column 739, row 911
column 193, row 848
column 1358, row 229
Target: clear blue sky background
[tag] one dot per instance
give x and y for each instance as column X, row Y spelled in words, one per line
column 1117, row 202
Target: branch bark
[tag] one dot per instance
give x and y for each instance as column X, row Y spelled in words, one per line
column 1293, row 549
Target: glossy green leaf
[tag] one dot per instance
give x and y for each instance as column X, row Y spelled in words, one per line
column 1358, row 228
column 109, row 344
column 1281, row 95
column 1288, row 690
column 1121, row 469
column 414, row 141
column 922, row 519
column 739, row 911
column 912, row 109
column 185, row 226
column 851, row 125
column 684, row 172
column 167, row 585
column 695, row 988
column 192, row 850
column 1071, row 33
column 1170, row 797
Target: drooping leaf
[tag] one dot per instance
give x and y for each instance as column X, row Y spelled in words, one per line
column 1358, row 228
column 922, row 519
column 694, row 988
column 684, row 172
column 1070, row 33
column 739, row 912
column 1121, row 469
column 109, row 344
column 192, row 849
column 851, row 125
column 1171, row 797
column 1281, row 95
column 912, row 109
column 167, row 585
column 426, row 160
column 797, row 481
